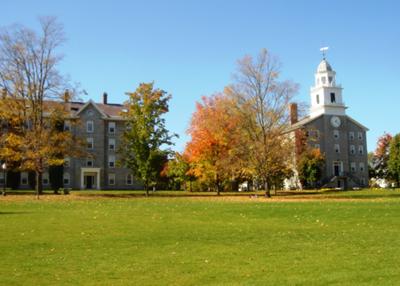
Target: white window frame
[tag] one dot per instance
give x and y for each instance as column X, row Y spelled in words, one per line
column 360, row 149
column 336, row 134
column 360, row 136
column 112, row 126
column 89, row 140
column 89, row 123
column 129, row 180
column 45, row 179
column 111, row 161
column 111, row 142
column 67, row 162
column 89, row 160
column 66, row 179
column 353, row 167
column 337, row 148
column 111, row 179
column 352, row 149
column 362, row 167
column 24, row 176
column 351, row 135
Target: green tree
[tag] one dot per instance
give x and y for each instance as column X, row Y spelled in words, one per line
column 145, row 133
column 310, row 167
column 394, row 159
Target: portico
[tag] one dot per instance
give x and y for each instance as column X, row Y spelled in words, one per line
column 90, row 178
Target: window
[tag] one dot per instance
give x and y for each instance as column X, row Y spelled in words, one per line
column 360, row 149
column 111, row 144
column 66, row 179
column 362, row 167
column 317, row 98
column 330, row 79
column 129, row 179
column 317, row 135
column 336, row 134
column 111, row 161
column 45, row 178
column 89, row 162
column 111, row 127
column 89, row 126
column 353, row 167
column 337, row 148
column 24, row 178
column 333, row 97
column 67, row 162
column 89, row 144
column 111, row 179
column 360, row 136
column 352, row 149
column 351, row 135
column 67, row 125
column 323, row 79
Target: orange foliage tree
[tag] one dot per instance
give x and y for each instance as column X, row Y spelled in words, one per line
column 215, row 150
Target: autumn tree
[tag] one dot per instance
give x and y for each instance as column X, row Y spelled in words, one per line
column 310, row 166
column 145, row 133
column 263, row 100
column 381, row 157
column 214, row 151
column 31, row 104
column 394, row 159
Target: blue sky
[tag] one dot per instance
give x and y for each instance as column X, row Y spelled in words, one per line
column 190, row 48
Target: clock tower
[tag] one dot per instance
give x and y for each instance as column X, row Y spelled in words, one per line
column 326, row 95
column 340, row 138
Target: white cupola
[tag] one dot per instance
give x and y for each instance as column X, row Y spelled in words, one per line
column 326, row 95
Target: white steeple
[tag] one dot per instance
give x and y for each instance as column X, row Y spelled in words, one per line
column 326, row 95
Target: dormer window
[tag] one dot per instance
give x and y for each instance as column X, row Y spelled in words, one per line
column 333, row 97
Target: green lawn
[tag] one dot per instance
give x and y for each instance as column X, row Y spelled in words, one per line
column 201, row 241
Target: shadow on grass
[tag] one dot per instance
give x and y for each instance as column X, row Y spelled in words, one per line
column 13, row 213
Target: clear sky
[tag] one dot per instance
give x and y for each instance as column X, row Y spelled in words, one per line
column 190, row 48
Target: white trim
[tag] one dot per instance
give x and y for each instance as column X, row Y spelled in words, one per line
column 90, row 170
column 91, row 102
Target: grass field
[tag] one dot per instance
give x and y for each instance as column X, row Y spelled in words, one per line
column 119, row 238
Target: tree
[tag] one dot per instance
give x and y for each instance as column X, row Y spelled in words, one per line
column 33, row 93
column 145, row 133
column 177, row 170
column 310, row 165
column 214, row 151
column 263, row 101
column 381, row 157
column 394, row 159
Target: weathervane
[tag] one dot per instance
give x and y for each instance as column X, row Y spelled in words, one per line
column 324, row 50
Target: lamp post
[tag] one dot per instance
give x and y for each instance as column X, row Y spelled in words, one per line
column 4, row 167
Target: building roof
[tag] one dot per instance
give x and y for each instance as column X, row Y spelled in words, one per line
column 324, row 66
column 301, row 123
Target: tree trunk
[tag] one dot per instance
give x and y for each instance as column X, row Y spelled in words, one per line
column 267, row 190
column 190, row 186
column 38, row 184
column 146, row 188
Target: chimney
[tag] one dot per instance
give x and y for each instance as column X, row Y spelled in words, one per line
column 105, row 98
column 293, row 113
column 66, row 96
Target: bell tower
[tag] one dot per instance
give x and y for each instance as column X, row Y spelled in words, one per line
column 326, row 95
